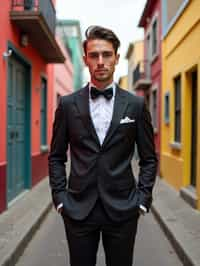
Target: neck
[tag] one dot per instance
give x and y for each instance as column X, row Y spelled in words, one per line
column 101, row 84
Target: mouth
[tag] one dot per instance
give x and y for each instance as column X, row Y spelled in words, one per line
column 101, row 71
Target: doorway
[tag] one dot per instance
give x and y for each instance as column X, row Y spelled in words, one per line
column 193, row 128
column 18, row 128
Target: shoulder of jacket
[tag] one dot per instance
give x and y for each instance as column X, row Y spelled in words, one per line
column 133, row 98
column 131, row 95
column 70, row 97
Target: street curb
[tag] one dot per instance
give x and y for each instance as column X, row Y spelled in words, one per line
column 11, row 257
column 171, row 235
column 20, row 222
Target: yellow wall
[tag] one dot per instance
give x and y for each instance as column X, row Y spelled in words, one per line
column 123, row 82
column 138, row 52
column 135, row 57
column 181, row 54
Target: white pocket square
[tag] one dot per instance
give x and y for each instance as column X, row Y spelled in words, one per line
column 127, row 120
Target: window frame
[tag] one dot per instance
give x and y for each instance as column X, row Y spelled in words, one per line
column 154, row 108
column 167, row 108
column 177, row 109
column 153, row 54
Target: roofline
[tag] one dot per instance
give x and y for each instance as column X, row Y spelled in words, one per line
column 145, row 13
column 68, row 22
column 131, row 47
column 71, row 22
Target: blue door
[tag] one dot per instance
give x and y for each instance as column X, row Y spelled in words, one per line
column 16, row 128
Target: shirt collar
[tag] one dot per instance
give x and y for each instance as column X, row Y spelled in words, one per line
column 113, row 85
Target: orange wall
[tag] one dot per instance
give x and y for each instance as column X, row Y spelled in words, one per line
column 10, row 32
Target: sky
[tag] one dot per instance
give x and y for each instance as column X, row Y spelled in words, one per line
column 122, row 16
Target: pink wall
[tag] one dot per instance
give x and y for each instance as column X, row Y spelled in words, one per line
column 61, row 76
column 156, row 65
column 63, row 80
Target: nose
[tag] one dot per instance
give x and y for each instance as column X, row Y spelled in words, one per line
column 100, row 60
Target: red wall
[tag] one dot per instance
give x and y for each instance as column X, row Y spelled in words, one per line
column 10, row 32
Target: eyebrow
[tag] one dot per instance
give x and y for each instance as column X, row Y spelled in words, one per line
column 108, row 52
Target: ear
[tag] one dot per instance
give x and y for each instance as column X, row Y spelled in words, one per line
column 117, row 59
column 85, row 60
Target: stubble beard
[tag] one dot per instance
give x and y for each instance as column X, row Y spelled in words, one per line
column 107, row 77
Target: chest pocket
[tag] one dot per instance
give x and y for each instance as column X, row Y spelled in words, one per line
column 128, row 130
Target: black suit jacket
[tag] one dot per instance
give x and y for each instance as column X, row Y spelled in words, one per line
column 102, row 170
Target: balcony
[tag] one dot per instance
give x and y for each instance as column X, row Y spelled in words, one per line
column 37, row 19
column 142, row 76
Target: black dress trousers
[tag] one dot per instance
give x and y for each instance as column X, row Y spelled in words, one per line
column 83, row 238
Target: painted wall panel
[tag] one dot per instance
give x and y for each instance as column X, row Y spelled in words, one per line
column 181, row 56
column 10, row 33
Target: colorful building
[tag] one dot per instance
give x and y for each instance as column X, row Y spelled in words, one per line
column 27, row 45
column 180, row 148
column 123, row 82
column 148, row 72
column 70, row 33
column 63, row 76
column 134, row 55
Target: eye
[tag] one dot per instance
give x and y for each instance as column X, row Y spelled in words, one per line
column 93, row 55
column 107, row 54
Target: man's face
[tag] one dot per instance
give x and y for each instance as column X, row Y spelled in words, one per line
column 101, row 60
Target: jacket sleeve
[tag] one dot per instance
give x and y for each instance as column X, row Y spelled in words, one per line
column 147, row 157
column 58, row 155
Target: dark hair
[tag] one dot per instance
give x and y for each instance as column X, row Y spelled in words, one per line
column 98, row 32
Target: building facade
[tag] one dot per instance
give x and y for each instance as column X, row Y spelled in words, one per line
column 27, row 45
column 180, row 149
column 62, row 76
column 134, row 55
column 148, row 72
column 70, row 33
column 123, row 82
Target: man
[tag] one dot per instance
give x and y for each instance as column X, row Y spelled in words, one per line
column 101, row 123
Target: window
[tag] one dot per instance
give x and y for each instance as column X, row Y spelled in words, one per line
column 154, row 108
column 166, row 112
column 136, row 74
column 177, row 109
column 154, row 37
column 148, row 43
column 43, row 113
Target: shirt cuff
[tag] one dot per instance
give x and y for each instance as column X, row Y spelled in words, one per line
column 143, row 208
column 59, row 207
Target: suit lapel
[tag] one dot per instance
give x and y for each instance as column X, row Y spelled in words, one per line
column 82, row 103
column 120, row 106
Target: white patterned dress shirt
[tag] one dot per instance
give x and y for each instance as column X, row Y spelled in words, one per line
column 101, row 111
